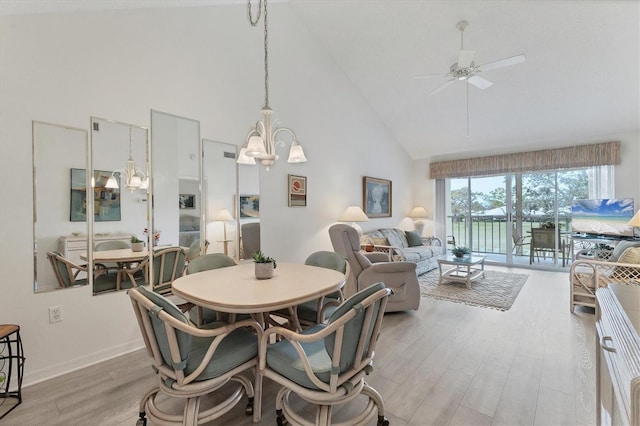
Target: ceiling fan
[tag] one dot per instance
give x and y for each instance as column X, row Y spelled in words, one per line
column 466, row 70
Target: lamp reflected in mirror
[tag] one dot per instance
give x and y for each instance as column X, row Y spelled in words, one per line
column 224, row 216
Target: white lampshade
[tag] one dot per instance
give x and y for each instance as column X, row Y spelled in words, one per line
column 635, row 220
column 296, row 154
column 255, row 147
column 419, row 213
column 223, row 216
column 243, row 158
column 112, row 182
column 353, row 214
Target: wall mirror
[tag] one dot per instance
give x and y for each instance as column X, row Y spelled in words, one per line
column 248, row 209
column 220, row 195
column 57, row 151
column 119, row 201
column 178, row 213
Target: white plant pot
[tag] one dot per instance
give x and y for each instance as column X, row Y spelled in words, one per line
column 137, row 246
column 264, row 271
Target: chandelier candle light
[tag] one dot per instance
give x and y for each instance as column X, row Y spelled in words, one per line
column 133, row 178
column 261, row 143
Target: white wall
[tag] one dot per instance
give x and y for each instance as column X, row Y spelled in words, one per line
column 201, row 63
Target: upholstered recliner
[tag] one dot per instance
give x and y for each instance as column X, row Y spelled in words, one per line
column 370, row 268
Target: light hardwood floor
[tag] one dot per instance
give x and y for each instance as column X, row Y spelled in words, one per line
column 445, row 364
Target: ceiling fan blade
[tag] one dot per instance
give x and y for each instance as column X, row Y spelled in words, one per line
column 479, row 82
column 518, row 59
column 465, row 58
column 429, row 75
column 441, row 88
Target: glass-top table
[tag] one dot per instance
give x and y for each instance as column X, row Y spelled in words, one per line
column 460, row 269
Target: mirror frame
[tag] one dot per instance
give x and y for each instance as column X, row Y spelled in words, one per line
column 148, row 210
column 34, row 154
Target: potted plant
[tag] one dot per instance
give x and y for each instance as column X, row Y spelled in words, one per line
column 136, row 244
column 264, row 265
column 460, row 251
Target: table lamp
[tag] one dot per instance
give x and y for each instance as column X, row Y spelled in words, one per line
column 354, row 214
column 635, row 223
column 416, row 214
column 224, row 216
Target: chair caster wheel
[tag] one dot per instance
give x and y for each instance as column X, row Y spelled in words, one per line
column 142, row 421
column 280, row 419
column 249, row 409
column 382, row 421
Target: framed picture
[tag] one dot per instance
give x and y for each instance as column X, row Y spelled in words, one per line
column 106, row 201
column 249, row 206
column 376, row 197
column 297, row 191
column 187, row 201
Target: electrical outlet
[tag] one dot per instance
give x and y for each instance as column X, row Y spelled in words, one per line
column 55, row 314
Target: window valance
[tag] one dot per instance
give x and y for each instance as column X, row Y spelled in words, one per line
column 599, row 154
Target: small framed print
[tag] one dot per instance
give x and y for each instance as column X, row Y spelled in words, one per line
column 187, row 201
column 297, row 191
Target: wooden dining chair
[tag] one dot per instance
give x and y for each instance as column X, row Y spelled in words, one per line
column 193, row 362
column 168, row 264
column 327, row 364
column 316, row 311
column 67, row 273
column 201, row 315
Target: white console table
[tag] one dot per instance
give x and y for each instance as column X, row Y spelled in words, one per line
column 618, row 355
column 71, row 246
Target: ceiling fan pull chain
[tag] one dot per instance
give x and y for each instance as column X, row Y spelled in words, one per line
column 467, row 108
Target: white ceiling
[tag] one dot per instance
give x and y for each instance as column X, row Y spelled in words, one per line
column 579, row 83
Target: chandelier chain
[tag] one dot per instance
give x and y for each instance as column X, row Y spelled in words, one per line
column 254, row 22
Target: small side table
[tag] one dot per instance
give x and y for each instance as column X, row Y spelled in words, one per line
column 11, row 360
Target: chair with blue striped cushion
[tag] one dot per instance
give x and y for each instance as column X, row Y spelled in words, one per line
column 326, row 365
column 193, row 362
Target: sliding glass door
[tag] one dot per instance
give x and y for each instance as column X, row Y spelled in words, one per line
column 520, row 218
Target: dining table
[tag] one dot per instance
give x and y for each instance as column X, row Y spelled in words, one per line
column 122, row 257
column 236, row 290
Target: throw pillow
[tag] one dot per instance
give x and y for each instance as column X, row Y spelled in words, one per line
column 413, row 238
column 624, row 273
column 380, row 241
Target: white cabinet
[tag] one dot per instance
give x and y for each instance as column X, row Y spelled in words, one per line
column 617, row 357
column 71, row 246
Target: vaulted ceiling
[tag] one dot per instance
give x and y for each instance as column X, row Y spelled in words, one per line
column 579, row 83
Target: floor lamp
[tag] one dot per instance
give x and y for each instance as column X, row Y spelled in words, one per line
column 224, row 216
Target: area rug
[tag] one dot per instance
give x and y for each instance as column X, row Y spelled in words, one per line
column 497, row 290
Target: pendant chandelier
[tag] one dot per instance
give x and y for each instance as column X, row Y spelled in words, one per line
column 133, row 178
column 261, row 140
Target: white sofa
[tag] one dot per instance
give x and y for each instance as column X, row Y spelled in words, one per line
column 406, row 246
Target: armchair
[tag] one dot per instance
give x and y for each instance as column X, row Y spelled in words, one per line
column 370, row 268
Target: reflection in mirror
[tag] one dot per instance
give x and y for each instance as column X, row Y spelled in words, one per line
column 58, row 240
column 248, row 209
column 119, row 199
column 177, row 200
column 220, row 174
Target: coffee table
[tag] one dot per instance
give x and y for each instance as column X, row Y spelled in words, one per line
column 463, row 269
